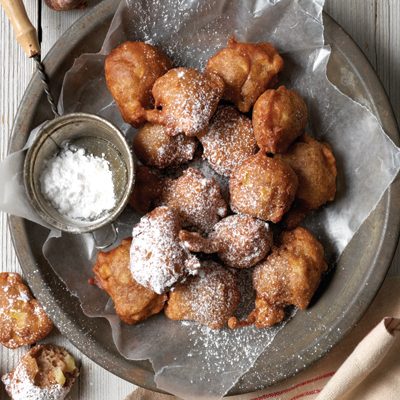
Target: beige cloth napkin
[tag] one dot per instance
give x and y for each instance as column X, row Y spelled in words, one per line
column 364, row 366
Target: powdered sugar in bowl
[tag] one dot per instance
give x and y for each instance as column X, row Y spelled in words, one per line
column 78, row 173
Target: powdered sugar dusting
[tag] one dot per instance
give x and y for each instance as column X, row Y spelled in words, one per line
column 158, row 259
column 229, row 140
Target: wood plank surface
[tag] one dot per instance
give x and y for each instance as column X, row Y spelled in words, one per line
column 373, row 24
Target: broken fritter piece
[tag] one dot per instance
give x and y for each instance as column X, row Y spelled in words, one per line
column 46, row 372
column 279, row 117
column 158, row 259
column 228, row 141
column 131, row 70
column 185, row 100
column 197, row 200
column 210, row 298
column 247, row 69
column 133, row 303
column 146, row 191
column 315, row 167
column 290, row 275
column 22, row 319
column 263, row 187
column 240, row 241
column 155, row 148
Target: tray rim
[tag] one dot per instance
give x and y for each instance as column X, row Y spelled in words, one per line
column 67, row 325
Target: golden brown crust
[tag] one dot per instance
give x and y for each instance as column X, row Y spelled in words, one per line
column 196, row 199
column 247, row 69
column 185, row 100
column 292, row 272
column 210, row 298
column 146, row 191
column 131, row 70
column 44, row 372
column 240, row 241
column 133, row 302
column 155, row 148
column 263, row 187
column 279, row 117
column 228, row 141
column 315, row 167
column 22, row 319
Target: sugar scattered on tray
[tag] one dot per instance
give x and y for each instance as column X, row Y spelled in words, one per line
column 78, row 185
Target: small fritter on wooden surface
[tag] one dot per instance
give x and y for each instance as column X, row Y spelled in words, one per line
column 155, row 148
column 315, row 167
column 290, row 275
column 146, row 190
column 197, row 200
column 23, row 321
column 185, row 100
column 247, row 69
column 263, row 187
column 209, row 298
column 45, row 372
column 158, row 259
column 240, row 241
column 228, row 141
column 279, row 117
column 131, row 70
column 133, row 303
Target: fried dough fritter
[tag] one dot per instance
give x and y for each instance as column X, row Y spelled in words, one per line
column 146, row 191
column 247, row 69
column 185, row 100
column 315, row 167
column 131, row 70
column 263, row 187
column 197, row 200
column 45, row 372
column 240, row 241
column 158, row 259
column 228, row 141
column 23, row 321
column 209, row 298
column 279, row 117
column 290, row 275
column 155, row 148
column 133, row 303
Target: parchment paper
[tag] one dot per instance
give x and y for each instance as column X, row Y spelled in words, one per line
column 190, row 361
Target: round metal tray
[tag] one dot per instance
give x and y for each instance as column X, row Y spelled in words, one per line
column 309, row 335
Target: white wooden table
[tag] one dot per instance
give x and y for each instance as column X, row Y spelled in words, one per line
column 373, row 24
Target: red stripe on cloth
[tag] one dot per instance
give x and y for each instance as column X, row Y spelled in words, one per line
column 309, row 393
column 317, row 378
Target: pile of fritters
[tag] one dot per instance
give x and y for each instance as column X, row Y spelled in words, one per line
column 186, row 250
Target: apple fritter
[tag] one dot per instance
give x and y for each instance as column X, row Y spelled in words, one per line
column 133, row 302
column 263, row 187
column 197, row 200
column 240, row 241
column 155, row 148
column 247, row 69
column 22, row 319
column 209, row 298
column 45, row 372
column 131, row 70
column 158, row 258
column 315, row 167
column 279, row 117
column 185, row 100
column 228, row 141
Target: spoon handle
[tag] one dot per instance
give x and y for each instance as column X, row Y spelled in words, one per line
column 25, row 32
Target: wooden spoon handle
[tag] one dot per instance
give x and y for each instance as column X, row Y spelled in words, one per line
column 25, row 32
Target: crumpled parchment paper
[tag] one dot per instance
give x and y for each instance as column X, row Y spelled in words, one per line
column 191, row 361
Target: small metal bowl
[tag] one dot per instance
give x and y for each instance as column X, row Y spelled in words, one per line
column 99, row 138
